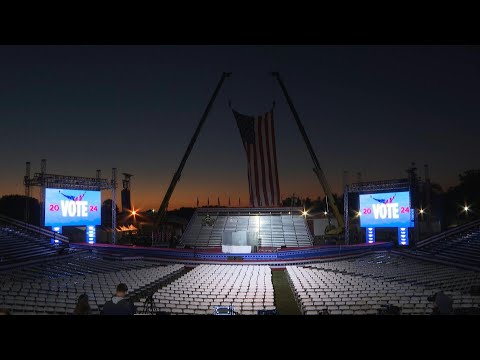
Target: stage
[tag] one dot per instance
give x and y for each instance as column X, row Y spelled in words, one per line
column 276, row 257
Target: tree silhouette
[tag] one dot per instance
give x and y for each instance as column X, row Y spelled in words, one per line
column 466, row 193
column 14, row 206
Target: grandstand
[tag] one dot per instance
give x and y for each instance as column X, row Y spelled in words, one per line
column 81, row 264
column 389, row 267
column 276, row 227
column 460, row 246
column 38, row 277
column 348, row 280
column 365, row 285
column 44, row 295
column 19, row 245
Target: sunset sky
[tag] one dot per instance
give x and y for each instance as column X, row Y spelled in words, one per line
column 370, row 109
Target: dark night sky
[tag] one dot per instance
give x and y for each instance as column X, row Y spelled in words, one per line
column 372, row 109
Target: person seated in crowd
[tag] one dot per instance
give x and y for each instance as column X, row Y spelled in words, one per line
column 83, row 307
column 119, row 305
column 4, row 312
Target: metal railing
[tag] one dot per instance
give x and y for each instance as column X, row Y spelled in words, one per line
column 448, row 233
column 35, row 229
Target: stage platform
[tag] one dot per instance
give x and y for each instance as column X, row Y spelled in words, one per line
column 276, row 258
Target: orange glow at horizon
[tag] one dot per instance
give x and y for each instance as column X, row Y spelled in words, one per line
column 188, row 198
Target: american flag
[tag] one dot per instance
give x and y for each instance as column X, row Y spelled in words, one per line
column 258, row 136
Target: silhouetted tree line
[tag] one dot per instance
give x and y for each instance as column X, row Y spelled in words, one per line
column 315, row 205
column 454, row 200
column 184, row 212
column 14, row 206
column 446, row 206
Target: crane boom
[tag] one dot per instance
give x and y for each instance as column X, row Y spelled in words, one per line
column 162, row 212
column 317, row 169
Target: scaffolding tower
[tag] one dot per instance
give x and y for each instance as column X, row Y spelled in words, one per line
column 45, row 180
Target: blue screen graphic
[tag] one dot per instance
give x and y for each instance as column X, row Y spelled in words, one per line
column 65, row 207
column 390, row 209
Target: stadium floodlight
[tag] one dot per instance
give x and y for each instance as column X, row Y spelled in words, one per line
column 304, row 212
column 325, row 213
column 466, row 208
column 421, row 211
column 134, row 212
column 358, row 213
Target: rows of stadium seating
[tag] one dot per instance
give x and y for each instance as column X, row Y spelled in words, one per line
column 386, row 266
column 248, row 288
column 59, row 295
column 357, row 286
column 83, row 263
column 318, row 290
column 17, row 246
column 275, row 230
column 461, row 248
column 361, row 285
column 368, row 284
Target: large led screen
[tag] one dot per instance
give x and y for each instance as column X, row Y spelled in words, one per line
column 72, row 207
column 385, row 210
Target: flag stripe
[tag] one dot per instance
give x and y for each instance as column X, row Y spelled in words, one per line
column 252, row 174
column 258, row 135
column 277, row 192
column 261, row 144
column 255, row 176
column 250, row 188
column 270, row 156
column 266, row 143
column 270, row 159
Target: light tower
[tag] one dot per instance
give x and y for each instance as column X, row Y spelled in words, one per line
column 126, row 201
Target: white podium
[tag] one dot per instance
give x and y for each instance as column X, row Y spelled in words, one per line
column 236, row 249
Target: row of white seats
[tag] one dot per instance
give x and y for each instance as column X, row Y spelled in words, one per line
column 60, row 300
column 316, row 295
column 398, row 268
column 219, row 285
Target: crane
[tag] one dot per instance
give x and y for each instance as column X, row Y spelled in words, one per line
column 162, row 212
column 331, row 229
